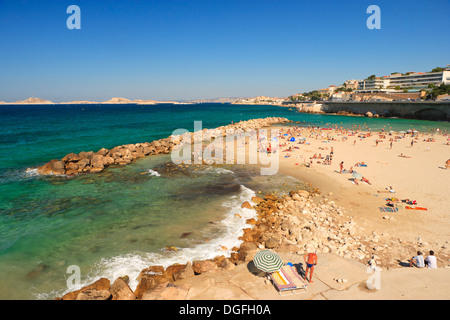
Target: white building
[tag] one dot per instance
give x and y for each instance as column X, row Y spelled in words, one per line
column 419, row 80
column 377, row 84
column 414, row 80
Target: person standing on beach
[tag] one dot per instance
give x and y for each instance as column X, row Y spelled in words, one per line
column 431, row 260
column 311, row 261
column 341, row 166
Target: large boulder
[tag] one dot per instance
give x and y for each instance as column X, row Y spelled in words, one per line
column 86, row 155
column 82, row 164
column 150, row 278
column 121, row 291
column 102, row 151
column 71, row 157
column 184, row 273
column 58, row 167
column 95, row 289
column 202, row 266
column 246, row 205
column 71, row 168
column 97, row 163
column 46, row 169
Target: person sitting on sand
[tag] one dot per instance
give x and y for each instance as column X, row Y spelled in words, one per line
column 430, row 261
column 447, row 164
column 311, row 261
column 417, row 261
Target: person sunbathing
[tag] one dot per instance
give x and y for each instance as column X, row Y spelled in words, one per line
column 364, row 179
column 403, row 156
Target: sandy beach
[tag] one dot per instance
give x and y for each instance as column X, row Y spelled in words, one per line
column 345, row 224
column 419, row 176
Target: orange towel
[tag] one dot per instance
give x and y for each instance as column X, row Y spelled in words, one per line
column 416, row 208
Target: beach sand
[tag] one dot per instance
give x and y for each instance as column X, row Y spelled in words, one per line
column 420, row 176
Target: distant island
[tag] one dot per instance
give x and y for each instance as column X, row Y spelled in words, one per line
column 119, row 100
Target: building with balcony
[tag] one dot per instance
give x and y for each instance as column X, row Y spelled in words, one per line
column 411, row 80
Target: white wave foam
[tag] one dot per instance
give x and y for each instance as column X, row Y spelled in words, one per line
column 31, row 172
column 132, row 264
column 153, row 173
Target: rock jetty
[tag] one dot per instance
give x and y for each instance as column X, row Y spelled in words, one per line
column 93, row 162
column 293, row 223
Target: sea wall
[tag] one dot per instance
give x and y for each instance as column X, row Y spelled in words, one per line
column 73, row 164
column 431, row 110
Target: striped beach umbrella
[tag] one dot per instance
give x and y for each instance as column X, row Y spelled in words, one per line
column 268, row 261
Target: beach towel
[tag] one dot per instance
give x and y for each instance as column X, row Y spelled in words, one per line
column 388, row 209
column 282, row 281
column 416, row 208
column 294, row 276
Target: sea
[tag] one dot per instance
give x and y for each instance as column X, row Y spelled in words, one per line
column 126, row 218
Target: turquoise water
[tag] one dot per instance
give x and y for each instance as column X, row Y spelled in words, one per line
column 121, row 220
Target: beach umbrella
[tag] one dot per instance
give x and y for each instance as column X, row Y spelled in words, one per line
column 402, row 132
column 356, row 175
column 267, row 261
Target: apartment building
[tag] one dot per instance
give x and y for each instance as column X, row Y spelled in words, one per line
column 377, row 84
column 414, row 80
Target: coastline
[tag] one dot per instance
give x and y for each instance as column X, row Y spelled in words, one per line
column 359, row 233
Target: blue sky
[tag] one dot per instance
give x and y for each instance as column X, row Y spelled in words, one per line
column 171, row 49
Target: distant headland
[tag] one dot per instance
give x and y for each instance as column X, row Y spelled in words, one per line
column 119, row 100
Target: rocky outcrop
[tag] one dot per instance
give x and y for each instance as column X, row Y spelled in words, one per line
column 73, row 164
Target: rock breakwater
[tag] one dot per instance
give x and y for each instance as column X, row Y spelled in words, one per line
column 93, row 162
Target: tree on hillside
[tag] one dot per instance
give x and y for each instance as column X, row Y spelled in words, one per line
column 437, row 91
column 313, row 95
column 438, row 69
